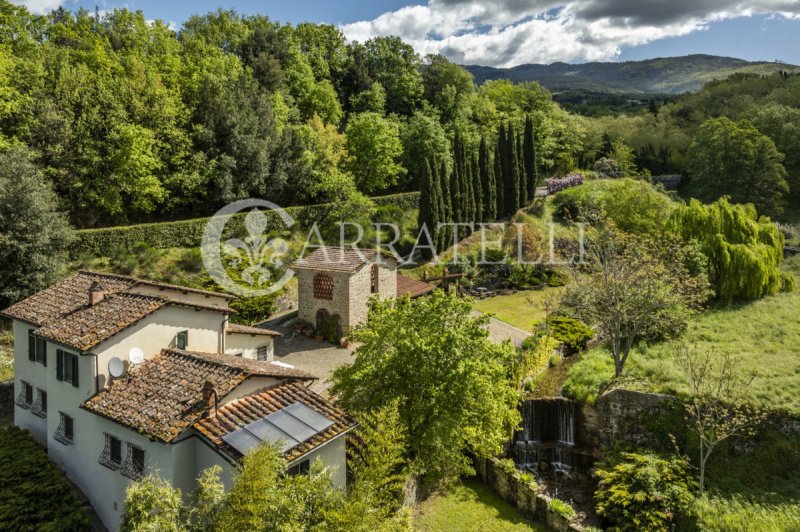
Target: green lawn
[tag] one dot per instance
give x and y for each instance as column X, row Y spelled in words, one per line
column 763, row 336
column 471, row 506
column 522, row 310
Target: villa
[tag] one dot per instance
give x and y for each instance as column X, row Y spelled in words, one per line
column 120, row 377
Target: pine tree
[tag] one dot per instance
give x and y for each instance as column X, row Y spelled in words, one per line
column 488, row 184
column 529, row 159
column 523, row 181
column 510, row 175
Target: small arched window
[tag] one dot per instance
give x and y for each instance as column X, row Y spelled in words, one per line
column 323, row 287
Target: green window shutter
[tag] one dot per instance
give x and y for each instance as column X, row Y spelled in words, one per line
column 75, row 371
column 44, row 353
column 60, row 365
column 31, row 346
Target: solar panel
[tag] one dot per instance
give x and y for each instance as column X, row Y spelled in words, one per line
column 292, row 426
column 241, row 440
column 309, row 416
column 289, row 427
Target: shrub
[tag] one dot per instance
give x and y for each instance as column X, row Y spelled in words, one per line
column 34, row 495
column 140, row 259
column 252, row 310
column 527, row 478
column 608, row 168
column 561, row 508
column 634, row 206
column 330, row 328
column 506, row 465
column 557, row 184
column 554, row 360
column 644, row 491
column 571, row 333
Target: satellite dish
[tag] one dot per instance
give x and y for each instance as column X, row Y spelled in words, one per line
column 136, row 356
column 115, row 367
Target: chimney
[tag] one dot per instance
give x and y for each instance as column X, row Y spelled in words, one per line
column 210, row 396
column 96, row 293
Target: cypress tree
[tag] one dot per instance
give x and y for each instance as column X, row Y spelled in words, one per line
column 437, row 204
column 424, row 213
column 455, row 188
column 469, row 192
column 499, row 176
column 488, row 185
column 446, row 234
column 477, row 189
column 510, row 174
column 427, row 202
column 523, row 182
column 529, row 158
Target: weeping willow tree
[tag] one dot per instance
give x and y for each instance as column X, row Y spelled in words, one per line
column 744, row 251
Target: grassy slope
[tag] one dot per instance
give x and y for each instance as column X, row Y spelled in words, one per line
column 467, row 507
column 6, row 356
column 764, row 336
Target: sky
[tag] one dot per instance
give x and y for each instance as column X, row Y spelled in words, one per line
column 504, row 33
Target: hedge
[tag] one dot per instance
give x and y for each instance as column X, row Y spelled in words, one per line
column 189, row 233
column 34, row 495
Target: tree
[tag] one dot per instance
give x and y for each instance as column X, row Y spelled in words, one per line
column 629, row 293
column 733, row 159
column 429, row 214
column 744, row 252
column 371, row 100
column 451, row 384
column 446, row 85
column 529, row 158
column 488, row 182
column 423, row 137
column 34, row 234
column 373, row 144
column 477, row 188
column 499, row 176
column 445, row 234
column 716, row 409
column 152, row 504
column 511, row 172
column 396, row 66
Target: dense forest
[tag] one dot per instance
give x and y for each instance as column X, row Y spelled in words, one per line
column 131, row 121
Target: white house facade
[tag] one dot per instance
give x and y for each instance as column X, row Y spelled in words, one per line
column 120, row 377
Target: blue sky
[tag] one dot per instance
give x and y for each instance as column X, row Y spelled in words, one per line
column 510, row 32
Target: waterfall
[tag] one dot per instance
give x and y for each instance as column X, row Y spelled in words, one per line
column 547, row 434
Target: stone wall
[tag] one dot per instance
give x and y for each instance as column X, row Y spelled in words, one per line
column 526, row 497
column 308, row 305
column 619, row 415
column 6, row 397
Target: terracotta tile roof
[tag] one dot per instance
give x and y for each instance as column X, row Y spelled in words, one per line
column 235, row 328
column 88, row 326
column 412, row 287
column 144, row 282
column 63, row 297
column 63, row 312
column 162, row 397
column 241, row 412
column 336, row 259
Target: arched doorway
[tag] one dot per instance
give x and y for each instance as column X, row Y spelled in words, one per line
column 322, row 318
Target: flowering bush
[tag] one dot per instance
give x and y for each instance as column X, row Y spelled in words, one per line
column 557, row 184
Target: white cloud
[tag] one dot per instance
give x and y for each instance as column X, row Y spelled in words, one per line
column 39, row 7
column 512, row 32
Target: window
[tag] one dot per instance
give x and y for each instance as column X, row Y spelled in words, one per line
column 65, row 431
column 37, row 348
column 376, row 277
column 112, row 453
column 299, row 469
column 134, row 462
column 40, row 406
column 25, row 397
column 263, row 353
column 182, row 340
column 323, row 287
column 67, row 367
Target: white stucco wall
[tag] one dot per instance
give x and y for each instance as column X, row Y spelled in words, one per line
column 333, row 456
column 159, row 331
column 34, row 374
column 248, row 344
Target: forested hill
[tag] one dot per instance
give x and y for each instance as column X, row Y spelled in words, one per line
column 667, row 75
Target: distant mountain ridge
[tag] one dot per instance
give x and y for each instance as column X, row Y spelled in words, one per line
column 665, row 75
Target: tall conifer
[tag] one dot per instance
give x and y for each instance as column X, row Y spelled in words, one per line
column 477, row 189
column 446, row 234
column 489, row 192
column 499, row 176
column 529, row 158
column 523, row 181
column 510, row 174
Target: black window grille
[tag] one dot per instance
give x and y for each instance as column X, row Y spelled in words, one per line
column 111, row 456
column 65, row 432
